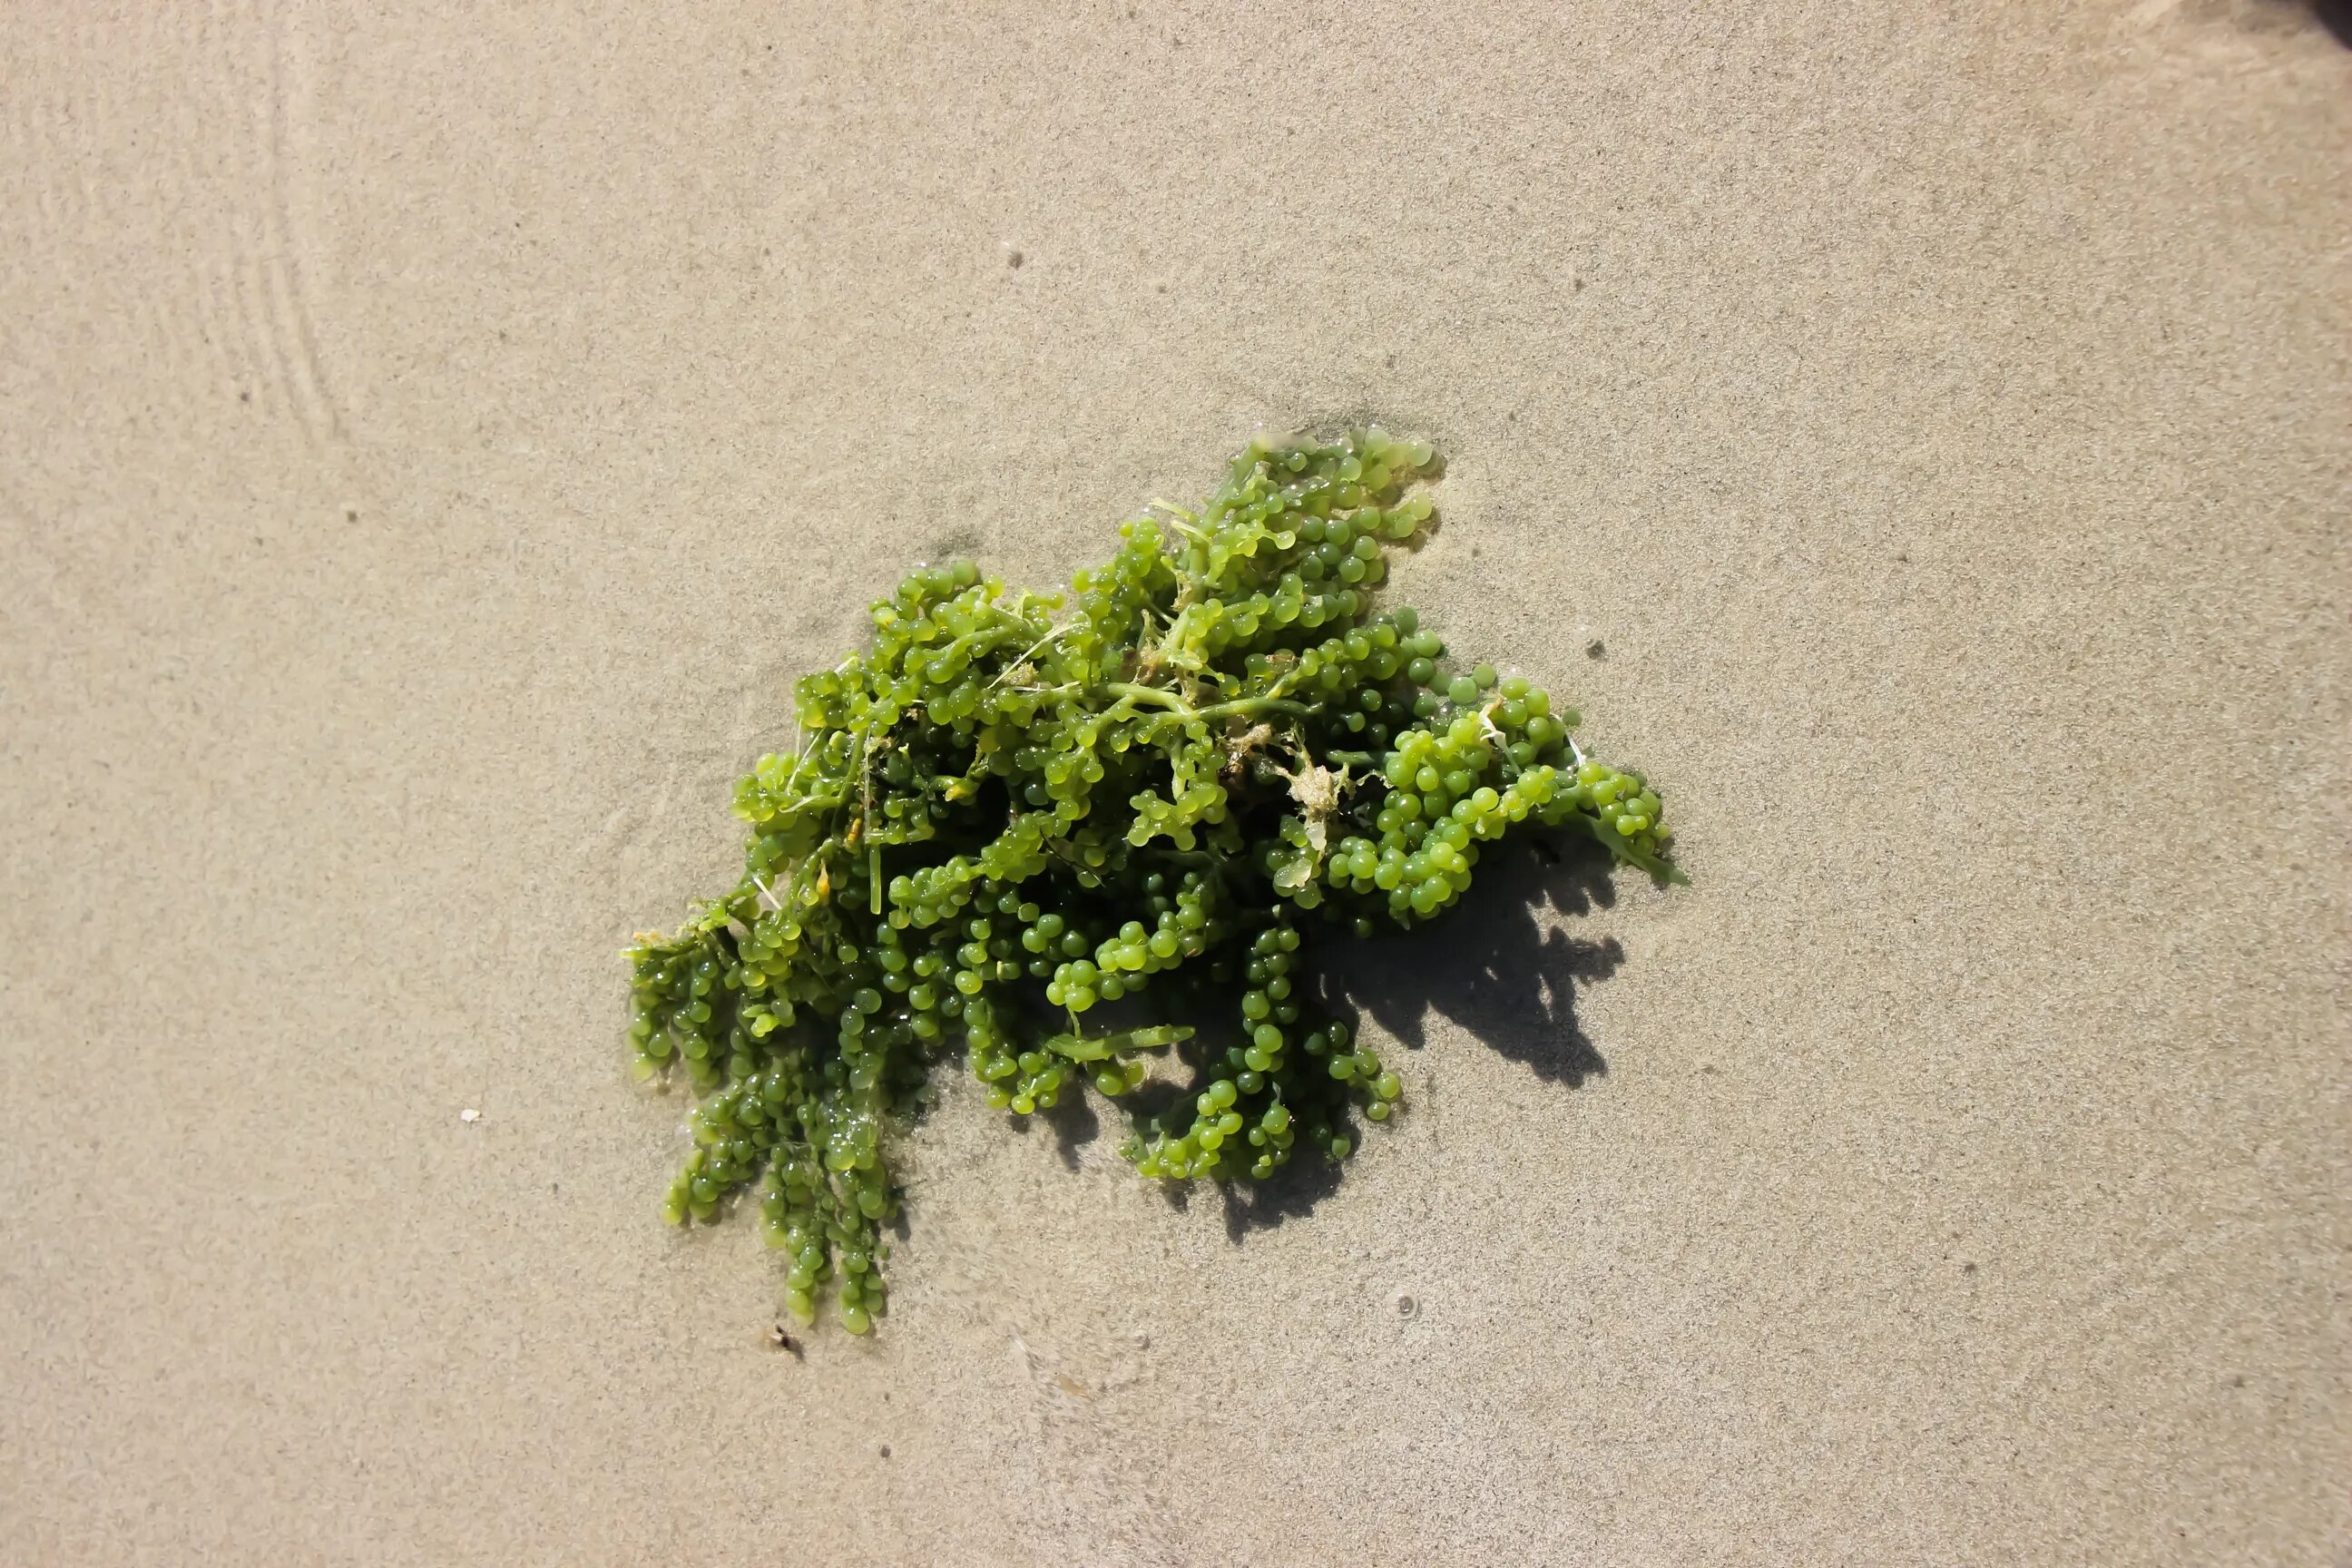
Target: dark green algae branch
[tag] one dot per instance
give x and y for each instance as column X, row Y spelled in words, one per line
column 1166, row 788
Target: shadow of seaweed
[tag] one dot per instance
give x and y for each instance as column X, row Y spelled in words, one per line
column 1290, row 1193
column 1499, row 967
column 1074, row 1122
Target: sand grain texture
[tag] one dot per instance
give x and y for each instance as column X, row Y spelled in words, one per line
column 434, row 447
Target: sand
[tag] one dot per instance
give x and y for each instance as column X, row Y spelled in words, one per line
column 433, row 449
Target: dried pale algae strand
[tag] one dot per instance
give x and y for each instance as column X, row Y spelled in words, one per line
column 1157, row 792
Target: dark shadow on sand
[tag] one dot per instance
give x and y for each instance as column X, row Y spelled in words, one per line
column 1499, row 967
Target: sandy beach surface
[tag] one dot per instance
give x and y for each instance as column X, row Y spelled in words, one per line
column 435, row 445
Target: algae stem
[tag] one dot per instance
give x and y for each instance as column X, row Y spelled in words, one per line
column 1240, row 707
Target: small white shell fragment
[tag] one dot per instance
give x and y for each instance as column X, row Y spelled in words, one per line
column 469, row 1114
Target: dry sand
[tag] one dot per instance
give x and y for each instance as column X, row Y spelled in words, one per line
column 434, row 447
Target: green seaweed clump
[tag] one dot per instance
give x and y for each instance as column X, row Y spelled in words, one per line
column 1162, row 789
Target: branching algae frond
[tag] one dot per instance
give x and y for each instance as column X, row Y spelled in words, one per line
column 1168, row 784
